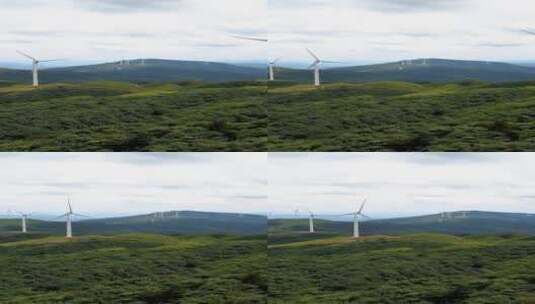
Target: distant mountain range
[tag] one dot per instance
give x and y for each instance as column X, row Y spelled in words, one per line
column 141, row 70
column 420, row 70
column 158, row 70
column 171, row 222
column 456, row 223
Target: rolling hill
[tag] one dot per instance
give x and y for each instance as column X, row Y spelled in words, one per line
column 133, row 268
column 419, row 268
column 121, row 116
column 419, row 70
column 402, row 116
column 454, row 223
column 172, row 222
column 148, row 70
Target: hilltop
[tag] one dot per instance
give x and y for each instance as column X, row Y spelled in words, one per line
column 141, row 70
column 171, row 222
column 133, row 268
column 417, row 70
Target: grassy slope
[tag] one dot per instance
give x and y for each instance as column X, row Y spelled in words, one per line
column 397, row 116
column 134, row 268
column 109, row 116
column 423, row 268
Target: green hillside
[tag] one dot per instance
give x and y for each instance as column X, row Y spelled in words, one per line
column 115, row 116
column 422, row 268
column 134, row 268
column 148, row 70
column 399, row 116
column 454, row 223
column 173, row 222
column 419, row 70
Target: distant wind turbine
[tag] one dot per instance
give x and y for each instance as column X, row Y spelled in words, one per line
column 356, row 217
column 35, row 67
column 272, row 63
column 24, row 217
column 316, row 66
column 311, row 222
column 68, row 216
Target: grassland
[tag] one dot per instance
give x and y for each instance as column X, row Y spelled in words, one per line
column 132, row 268
column 420, row 268
column 115, row 116
column 399, row 116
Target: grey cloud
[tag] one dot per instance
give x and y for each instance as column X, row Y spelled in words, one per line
column 500, row 45
column 250, row 197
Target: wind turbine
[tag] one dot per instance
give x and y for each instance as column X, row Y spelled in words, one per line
column 35, row 67
column 69, row 215
column 316, row 66
column 356, row 217
column 311, row 222
column 24, row 217
column 272, row 64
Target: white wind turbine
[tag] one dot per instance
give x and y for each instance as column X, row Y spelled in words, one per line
column 271, row 67
column 311, row 222
column 316, row 66
column 68, row 218
column 24, row 218
column 35, row 67
column 272, row 63
column 356, row 218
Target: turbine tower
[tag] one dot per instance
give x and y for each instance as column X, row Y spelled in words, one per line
column 35, row 67
column 24, row 217
column 356, row 218
column 316, row 66
column 272, row 64
column 311, row 222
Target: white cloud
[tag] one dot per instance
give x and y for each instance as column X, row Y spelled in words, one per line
column 129, row 183
column 401, row 184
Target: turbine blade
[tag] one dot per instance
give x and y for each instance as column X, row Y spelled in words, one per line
column 251, row 38
column 313, row 55
column 313, row 65
column 528, row 31
column 26, row 55
column 61, row 216
column 50, row 60
column 362, row 206
column 81, row 215
column 323, row 61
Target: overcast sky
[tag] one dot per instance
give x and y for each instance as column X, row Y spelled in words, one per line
column 389, row 30
column 133, row 183
column 115, row 29
column 344, row 30
column 398, row 184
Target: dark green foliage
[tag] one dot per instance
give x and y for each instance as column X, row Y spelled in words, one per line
column 108, row 116
column 422, row 268
column 397, row 116
column 133, row 269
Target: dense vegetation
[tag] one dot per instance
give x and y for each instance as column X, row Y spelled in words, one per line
column 397, row 116
column 109, row 116
column 132, row 268
column 423, row 268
